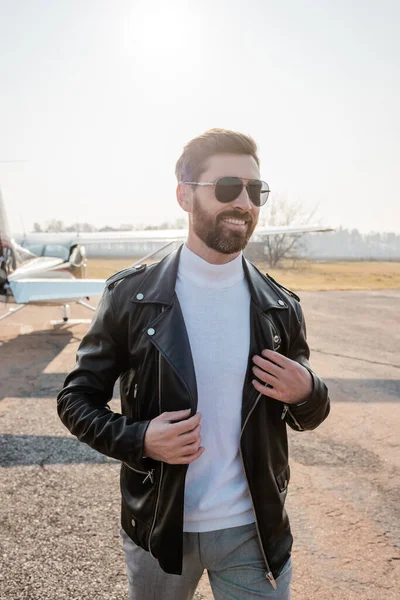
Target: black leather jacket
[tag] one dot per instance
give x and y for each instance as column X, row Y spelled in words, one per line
column 138, row 334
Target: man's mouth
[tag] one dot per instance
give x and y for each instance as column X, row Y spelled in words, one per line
column 238, row 222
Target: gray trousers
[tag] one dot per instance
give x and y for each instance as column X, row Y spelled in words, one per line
column 233, row 560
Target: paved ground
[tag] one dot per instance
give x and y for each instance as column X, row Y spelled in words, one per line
column 59, row 507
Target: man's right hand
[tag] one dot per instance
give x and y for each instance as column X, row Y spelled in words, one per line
column 174, row 438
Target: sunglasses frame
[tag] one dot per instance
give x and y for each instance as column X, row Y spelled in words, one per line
column 215, row 183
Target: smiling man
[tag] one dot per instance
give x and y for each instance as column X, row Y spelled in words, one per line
column 213, row 366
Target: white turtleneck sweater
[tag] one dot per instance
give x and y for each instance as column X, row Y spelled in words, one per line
column 215, row 302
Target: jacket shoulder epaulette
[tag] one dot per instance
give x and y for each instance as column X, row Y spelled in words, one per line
column 283, row 288
column 111, row 281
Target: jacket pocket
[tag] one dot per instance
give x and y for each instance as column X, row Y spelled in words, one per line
column 139, row 491
column 282, row 479
column 139, row 532
column 133, row 527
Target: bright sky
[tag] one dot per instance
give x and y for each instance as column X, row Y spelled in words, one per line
column 99, row 96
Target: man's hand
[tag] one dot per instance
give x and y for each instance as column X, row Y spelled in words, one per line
column 290, row 382
column 173, row 438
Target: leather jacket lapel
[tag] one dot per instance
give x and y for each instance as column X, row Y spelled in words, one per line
column 263, row 330
column 168, row 330
column 168, row 333
column 263, row 335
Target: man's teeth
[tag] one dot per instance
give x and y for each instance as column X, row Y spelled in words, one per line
column 235, row 221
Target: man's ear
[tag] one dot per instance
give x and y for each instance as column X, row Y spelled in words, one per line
column 184, row 195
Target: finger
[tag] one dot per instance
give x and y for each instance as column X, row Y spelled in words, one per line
column 265, row 376
column 268, row 365
column 186, row 460
column 185, row 425
column 190, row 436
column 175, row 415
column 266, row 391
column 190, row 449
column 278, row 359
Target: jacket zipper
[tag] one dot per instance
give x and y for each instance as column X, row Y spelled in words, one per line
column 286, row 410
column 136, row 409
column 149, row 474
column 162, row 464
column 268, row 573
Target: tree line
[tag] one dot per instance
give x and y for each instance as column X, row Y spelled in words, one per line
column 340, row 244
column 58, row 226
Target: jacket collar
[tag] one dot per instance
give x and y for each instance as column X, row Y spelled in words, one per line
column 158, row 286
column 264, row 294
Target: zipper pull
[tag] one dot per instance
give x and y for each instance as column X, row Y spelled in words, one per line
column 135, row 390
column 271, row 579
column 285, row 409
column 150, row 476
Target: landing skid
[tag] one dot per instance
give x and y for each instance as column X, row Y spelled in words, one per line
column 66, row 314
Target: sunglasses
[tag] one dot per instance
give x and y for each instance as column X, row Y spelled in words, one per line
column 228, row 189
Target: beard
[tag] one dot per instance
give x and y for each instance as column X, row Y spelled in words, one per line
column 212, row 231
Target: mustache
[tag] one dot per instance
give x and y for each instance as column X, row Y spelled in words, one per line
column 234, row 214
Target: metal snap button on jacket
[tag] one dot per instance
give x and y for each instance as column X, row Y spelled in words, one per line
column 281, row 302
column 139, row 296
column 151, row 331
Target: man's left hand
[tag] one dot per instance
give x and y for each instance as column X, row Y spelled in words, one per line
column 284, row 379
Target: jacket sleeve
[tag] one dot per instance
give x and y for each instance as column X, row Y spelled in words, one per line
column 312, row 412
column 82, row 404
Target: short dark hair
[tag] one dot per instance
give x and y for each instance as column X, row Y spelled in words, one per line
column 192, row 161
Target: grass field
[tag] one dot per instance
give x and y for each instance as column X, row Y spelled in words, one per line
column 306, row 275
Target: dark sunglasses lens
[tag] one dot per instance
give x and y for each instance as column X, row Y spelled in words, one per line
column 258, row 191
column 228, row 189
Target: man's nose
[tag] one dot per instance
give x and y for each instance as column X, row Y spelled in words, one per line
column 243, row 200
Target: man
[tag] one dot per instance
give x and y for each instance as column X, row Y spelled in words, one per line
column 213, row 364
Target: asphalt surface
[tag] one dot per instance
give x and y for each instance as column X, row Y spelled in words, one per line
column 59, row 509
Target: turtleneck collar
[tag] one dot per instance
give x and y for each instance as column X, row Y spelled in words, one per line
column 207, row 275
